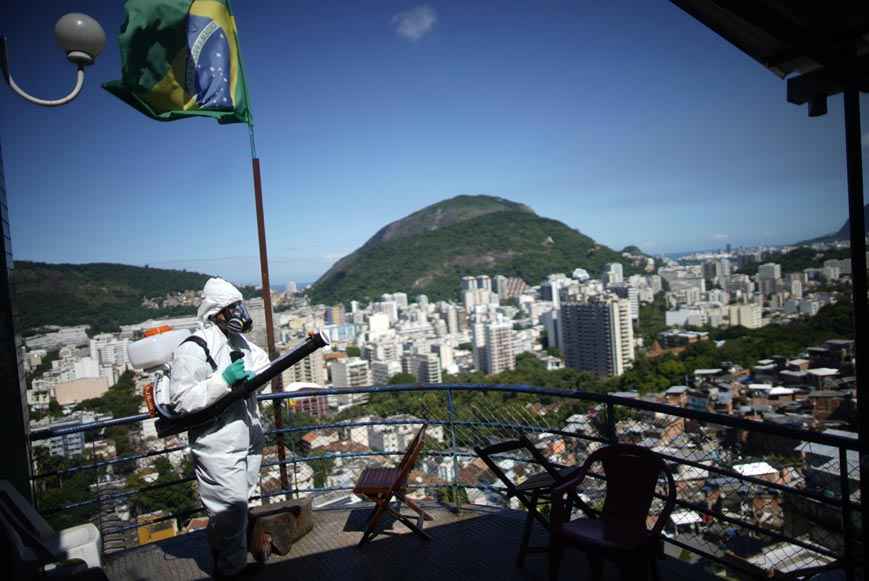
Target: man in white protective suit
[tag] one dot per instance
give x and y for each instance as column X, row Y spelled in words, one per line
column 227, row 453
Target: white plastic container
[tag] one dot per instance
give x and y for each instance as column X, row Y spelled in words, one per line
column 82, row 542
column 155, row 350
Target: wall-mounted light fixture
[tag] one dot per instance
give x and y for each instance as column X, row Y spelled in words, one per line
column 81, row 37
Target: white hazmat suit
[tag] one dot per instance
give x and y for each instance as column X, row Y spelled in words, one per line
column 228, row 452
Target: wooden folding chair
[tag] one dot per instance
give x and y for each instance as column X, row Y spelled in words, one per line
column 382, row 485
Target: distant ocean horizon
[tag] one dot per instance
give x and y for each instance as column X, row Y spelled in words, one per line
column 283, row 288
column 279, row 287
column 678, row 255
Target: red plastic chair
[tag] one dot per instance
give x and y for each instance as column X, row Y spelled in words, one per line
column 619, row 531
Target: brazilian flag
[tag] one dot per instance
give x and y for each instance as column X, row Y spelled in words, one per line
column 180, row 58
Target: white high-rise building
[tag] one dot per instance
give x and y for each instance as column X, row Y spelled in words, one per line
column 388, row 308
column 598, row 335
column 633, row 296
column 501, row 285
column 478, row 297
column 311, row 369
column 381, row 371
column 769, row 271
column 768, row 276
column 86, row 367
column 740, row 285
column 499, row 354
column 457, row 321
column 718, row 296
column 444, row 351
column 352, row 372
column 478, row 343
column 108, row 351
column 400, row 300
column 614, row 273
column 426, row 367
column 378, row 324
column 292, row 288
column 748, row 316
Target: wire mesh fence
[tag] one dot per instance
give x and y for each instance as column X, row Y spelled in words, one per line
column 747, row 500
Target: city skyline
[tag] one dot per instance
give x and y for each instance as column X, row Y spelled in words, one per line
column 368, row 114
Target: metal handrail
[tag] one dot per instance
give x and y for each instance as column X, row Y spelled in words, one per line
column 723, row 420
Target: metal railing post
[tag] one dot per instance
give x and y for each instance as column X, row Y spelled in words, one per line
column 295, row 468
column 848, row 533
column 455, row 466
column 278, row 410
column 611, row 423
column 99, row 492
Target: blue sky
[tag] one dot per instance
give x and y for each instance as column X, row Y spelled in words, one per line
column 627, row 120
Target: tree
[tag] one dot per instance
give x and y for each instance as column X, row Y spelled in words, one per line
column 322, row 469
column 54, row 409
column 400, row 378
column 52, row 493
column 353, row 351
column 294, row 440
column 449, row 495
column 43, row 366
column 171, row 498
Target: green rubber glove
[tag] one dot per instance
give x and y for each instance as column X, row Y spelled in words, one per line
column 235, row 372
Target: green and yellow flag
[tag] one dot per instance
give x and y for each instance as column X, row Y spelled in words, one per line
column 180, row 58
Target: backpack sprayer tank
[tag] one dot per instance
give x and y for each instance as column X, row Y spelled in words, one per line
column 152, row 354
column 156, row 348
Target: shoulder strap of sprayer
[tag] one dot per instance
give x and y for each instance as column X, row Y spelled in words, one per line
column 201, row 342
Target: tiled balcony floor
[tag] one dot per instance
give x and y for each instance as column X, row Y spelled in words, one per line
column 474, row 545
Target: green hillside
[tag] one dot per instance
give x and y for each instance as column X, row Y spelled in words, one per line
column 509, row 242
column 100, row 294
column 445, row 213
column 430, row 218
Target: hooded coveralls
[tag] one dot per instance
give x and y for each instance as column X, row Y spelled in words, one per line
column 227, row 453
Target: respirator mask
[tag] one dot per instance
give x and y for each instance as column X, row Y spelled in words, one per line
column 234, row 319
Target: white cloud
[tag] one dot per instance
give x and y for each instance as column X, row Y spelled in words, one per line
column 720, row 236
column 415, row 23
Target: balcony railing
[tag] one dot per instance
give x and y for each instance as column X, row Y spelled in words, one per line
column 802, row 511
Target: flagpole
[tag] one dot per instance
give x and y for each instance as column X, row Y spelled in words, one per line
column 277, row 382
